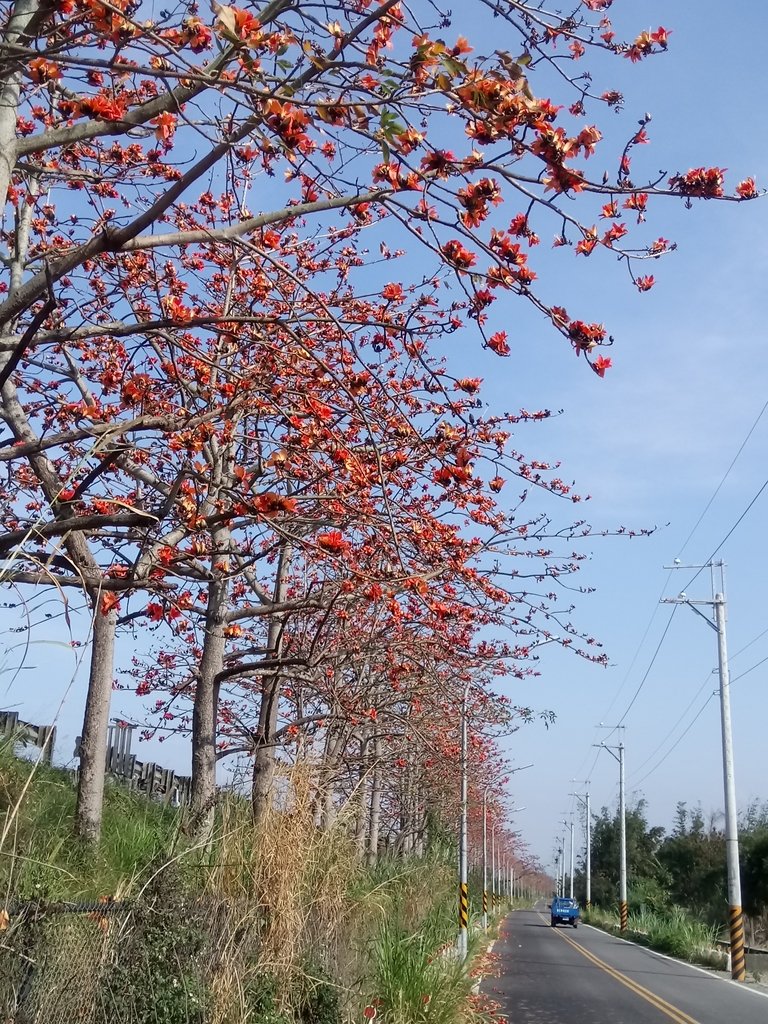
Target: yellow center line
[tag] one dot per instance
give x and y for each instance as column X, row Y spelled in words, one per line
column 673, row 1012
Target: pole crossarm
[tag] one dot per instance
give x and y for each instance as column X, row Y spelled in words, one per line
column 692, row 606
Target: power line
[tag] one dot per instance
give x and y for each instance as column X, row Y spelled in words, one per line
column 639, row 647
column 648, row 670
column 725, row 477
column 754, row 641
column 677, row 742
column 692, row 701
column 693, row 530
column 627, row 674
column 747, row 671
column 691, row 723
column 725, row 538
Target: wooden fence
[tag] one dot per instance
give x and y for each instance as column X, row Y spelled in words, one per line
column 154, row 781
column 42, row 736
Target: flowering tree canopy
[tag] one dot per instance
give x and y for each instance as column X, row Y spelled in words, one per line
column 233, row 242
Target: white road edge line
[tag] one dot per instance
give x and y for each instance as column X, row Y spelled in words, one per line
column 694, row 967
column 481, row 977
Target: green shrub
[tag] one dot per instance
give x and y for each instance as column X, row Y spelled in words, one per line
column 159, row 973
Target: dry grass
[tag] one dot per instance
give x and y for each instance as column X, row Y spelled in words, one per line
column 280, row 923
column 285, row 885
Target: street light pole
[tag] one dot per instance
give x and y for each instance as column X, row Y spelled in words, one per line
column 571, row 890
column 463, row 887
column 735, row 912
column 493, row 867
column 485, row 860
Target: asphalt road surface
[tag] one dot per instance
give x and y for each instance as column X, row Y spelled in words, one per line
column 581, row 975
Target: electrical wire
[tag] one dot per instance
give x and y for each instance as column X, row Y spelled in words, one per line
column 744, row 648
column 628, row 673
column 707, row 679
column 726, row 537
column 640, row 645
column 707, row 507
column 677, row 742
column 722, row 542
column 747, row 671
column 650, row 666
column 692, row 722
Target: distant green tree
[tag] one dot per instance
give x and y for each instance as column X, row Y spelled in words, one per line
column 648, row 881
column 694, row 858
column 754, row 873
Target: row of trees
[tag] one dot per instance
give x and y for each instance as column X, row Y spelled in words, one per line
column 683, row 867
column 231, row 426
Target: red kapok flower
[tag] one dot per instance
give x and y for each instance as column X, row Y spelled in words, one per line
column 332, row 541
column 600, row 365
column 498, row 343
column 747, row 189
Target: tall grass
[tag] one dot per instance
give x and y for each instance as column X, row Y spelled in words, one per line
column 41, row 858
column 413, row 982
column 279, row 923
column 673, row 931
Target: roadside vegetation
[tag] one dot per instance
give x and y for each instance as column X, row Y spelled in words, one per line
column 280, row 923
column 677, row 883
column 674, row 932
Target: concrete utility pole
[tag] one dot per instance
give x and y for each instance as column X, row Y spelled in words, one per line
column 735, row 913
column 584, row 801
column 618, row 754
column 566, row 827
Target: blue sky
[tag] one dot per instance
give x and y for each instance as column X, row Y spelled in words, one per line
column 651, row 443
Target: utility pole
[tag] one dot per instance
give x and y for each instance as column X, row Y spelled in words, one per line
column 584, row 801
column 564, row 824
column 618, row 754
column 735, row 913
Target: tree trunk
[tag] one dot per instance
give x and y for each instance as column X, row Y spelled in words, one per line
column 329, row 805
column 262, row 783
column 361, row 821
column 373, row 831
column 93, row 746
column 87, row 823
column 24, row 14
column 204, row 712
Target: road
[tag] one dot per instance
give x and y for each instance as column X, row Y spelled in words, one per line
column 564, row 975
